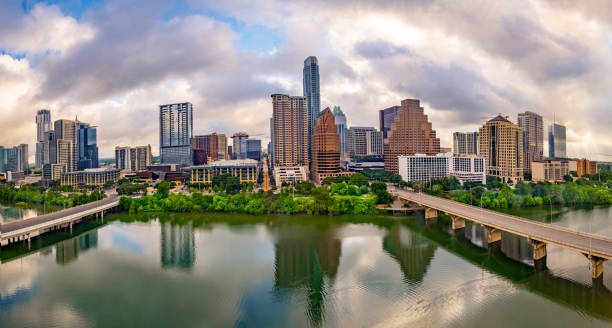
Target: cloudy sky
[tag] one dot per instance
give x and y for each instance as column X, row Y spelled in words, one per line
column 113, row 63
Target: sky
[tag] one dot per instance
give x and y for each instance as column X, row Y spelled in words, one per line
column 112, row 63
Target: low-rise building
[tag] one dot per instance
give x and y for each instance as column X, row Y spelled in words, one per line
column 549, row 170
column 584, row 166
column 245, row 169
column 421, row 167
column 89, row 177
column 290, row 174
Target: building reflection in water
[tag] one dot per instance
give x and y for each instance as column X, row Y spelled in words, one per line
column 68, row 250
column 303, row 260
column 177, row 246
column 513, row 246
column 412, row 252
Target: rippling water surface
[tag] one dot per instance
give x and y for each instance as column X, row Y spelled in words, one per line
column 230, row 270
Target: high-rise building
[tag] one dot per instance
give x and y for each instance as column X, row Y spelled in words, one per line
column 23, row 162
column 289, row 130
column 238, row 138
column 312, row 92
column 3, row 159
column 410, row 133
column 176, row 133
column 43, row 126
column 465, row 143
column 271, row 143
column 66, row 144
column 358, row 141
column 501, row 144
column 133, row 159
column 14, row 159
column 250, row 149
column 213, row 145
column 533, row 138
column 340, row 120
column 87, row 147
column 325, row 148
column 386, row 118
column 556, row 141
column 374, row 143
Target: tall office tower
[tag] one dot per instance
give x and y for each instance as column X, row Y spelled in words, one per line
column 176, row 133
column 386, row 118
column 3, row 159
column 223, row 149
column 410, row 133
column 374, row 143
column 325, row 147
column 340, row 120
column 133, row 159
column 250, row 149
column 23, row 162
column 238, row 138
column 357, row 140
column 312, row 92
column 87, row 147
column 271, row 143
column 15, row 159
column 501, row 145
column 66, row 144
column 533, row 138
column 465, row 143
column 556, row 141
column 290, row 128
column 43, row 126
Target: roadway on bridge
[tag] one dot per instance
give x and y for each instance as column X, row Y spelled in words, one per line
column 16, row 225
column 579, row 241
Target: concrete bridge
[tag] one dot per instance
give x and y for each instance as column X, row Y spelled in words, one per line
column 25, row 230
column 596, row 248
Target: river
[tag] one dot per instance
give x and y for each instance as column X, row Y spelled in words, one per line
column 223, row 270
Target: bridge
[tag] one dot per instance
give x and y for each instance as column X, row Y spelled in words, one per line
column 25, row 230
column 596, row 248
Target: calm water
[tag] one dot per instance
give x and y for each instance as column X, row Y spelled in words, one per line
column 9, row 212
column 242, row 271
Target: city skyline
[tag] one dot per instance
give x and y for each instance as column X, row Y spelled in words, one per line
column 353, row 72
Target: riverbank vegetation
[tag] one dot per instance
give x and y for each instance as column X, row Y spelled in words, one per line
column 39, row 195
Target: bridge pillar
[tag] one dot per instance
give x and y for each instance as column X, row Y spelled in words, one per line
column 102, row 216
column 457, row 222
column 596, row 266
column 493, row 235
column 71, row 227
column 430, row 213
column 539, row 254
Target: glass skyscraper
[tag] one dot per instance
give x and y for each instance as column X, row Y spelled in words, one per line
column 340, row 120
column 87, row 147
column 313, row 97
column 556, row 141
column 176, row 133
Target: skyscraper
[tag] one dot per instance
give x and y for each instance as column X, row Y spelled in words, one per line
column 357, row 140
column 237, row 139
column 250, row 149
column 176, row 133
column 66, row 144
column 556, row 141
column 374, row 143
column 43, row 126
column 313, row 96
column 533, row 138
column 133, row 159
column 87, row 147
column 289, row 130
column 14, row 159
column 501, row 144
column 465, row 143
column 410, row 133
column 386, row 118
column 340, row 120
column 325, row 147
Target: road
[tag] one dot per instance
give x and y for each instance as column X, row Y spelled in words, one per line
column 581, row 242
column 16, row 225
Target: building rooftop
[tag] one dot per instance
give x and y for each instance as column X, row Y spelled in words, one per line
column 499, row 118
column 231, row 163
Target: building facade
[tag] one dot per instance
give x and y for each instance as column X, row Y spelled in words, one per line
column 66, row 144
column 533, row 138
column 549, row 170
column 89, row 178
column 176, row 133
column 325, row 148
column 465, row 143
column 585, row 166
column 87, row 147
column 374, row 143
column 312, row 93
column 410, row 133
column 358, row 140
column 14, row 159
column 290, row 128
column 386, row 118
column 290, row 174
column 133, row 159
column 43, row 126
column 245, row 169
column 421, row 167
column 250, row 149
column 238, row 139
column 340, row 120
column 213, row 145
column 501, row 144
column 556, row 141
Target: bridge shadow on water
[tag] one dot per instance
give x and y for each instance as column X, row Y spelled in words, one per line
column 511, row 259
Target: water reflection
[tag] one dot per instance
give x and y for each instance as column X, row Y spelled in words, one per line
column 67, row 251
column 10, row 212
column 177, row 246
column 413, row 253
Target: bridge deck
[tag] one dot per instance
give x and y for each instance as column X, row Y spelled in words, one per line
column 582, row 242
column 35, row 222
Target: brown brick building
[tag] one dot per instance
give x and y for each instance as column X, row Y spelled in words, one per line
column 325, row 148
column 410, row 133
